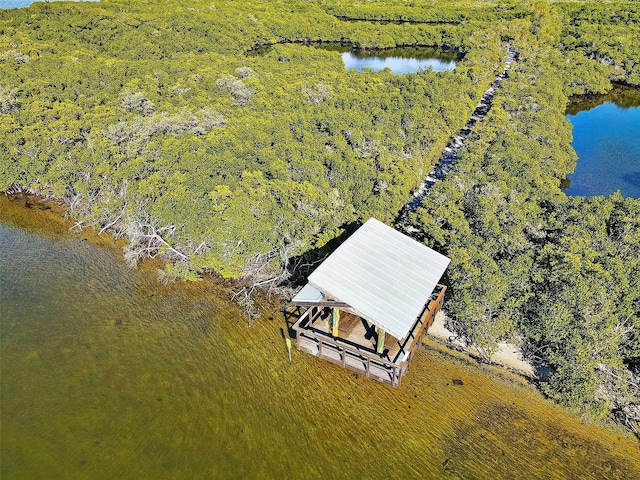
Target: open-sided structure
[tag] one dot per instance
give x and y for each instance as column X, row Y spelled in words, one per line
column 370, row 303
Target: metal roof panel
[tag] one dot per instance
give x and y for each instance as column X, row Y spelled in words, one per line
column 385, row 276
column 308, row 294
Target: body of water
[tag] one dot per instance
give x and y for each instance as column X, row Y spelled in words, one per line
column 398, row 60
column 606, row 137
column 108, row 374
column 397, row 64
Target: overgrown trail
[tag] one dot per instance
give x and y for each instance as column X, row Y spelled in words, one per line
column 450, row 154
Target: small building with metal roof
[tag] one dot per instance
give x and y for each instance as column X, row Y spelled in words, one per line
column 370, row 303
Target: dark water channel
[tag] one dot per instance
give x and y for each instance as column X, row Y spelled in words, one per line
column 606, row 137
column 105, row 374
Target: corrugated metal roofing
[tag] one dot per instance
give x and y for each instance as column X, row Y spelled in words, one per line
column 385, row 276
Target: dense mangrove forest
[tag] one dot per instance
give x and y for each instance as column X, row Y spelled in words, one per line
column 162, row 122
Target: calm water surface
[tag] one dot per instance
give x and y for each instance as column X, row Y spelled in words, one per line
column 108, row 374
column 606, row 137
column 398, row 60
column 396, row 63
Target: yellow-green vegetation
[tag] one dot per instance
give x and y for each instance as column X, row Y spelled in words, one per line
column 605, row 32
column 557, row 275
column 153, row 119
column 156, row 121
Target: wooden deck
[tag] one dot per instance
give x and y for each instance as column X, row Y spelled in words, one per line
column 355, row 346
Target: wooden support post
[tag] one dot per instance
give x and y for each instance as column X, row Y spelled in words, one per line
column 335, row 321
column 380, row 346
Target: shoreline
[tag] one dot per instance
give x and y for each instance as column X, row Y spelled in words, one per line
column 508, row 356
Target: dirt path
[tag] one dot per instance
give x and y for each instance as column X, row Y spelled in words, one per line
column 450, row 154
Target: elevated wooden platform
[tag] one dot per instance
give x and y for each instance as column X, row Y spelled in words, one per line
column 355, row 345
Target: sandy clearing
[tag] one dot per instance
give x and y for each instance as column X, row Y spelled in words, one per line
column 508, row 355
